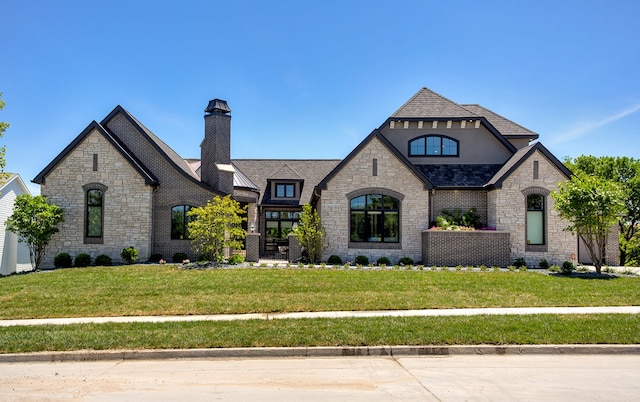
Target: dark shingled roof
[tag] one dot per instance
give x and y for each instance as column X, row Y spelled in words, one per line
column 310, row 172
column 506, row 127
column 426, row 103
column 459, row 175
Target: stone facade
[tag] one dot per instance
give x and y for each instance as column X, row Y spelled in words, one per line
column 391, row 177
column 127, row 201
column 507, row 212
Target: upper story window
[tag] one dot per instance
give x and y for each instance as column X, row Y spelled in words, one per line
column 180, row 222
column 285, row 190
column 375, row 218
column 433, row 145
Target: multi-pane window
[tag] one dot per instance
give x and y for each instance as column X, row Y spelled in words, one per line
column 285, row 190
column 94, row 213
column 375, row 218
column 180, row 222
column 433, row 145
column 535, row 219
column 280, row 223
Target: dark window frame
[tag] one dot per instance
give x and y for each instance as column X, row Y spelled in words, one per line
column 90, row 206
column 423, row 151
column 184, row 233
column 543, row 193
column 371, row 211
column 285, row 187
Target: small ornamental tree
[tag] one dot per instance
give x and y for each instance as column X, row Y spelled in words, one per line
column 3, row 127
column 310, row 233
column 217, row 226
column 34, row 220
column 592, row 206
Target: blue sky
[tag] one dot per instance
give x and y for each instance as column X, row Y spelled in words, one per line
column 312, row 79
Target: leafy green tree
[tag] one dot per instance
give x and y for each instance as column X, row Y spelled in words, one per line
column 217, row 226
column 626, row 172
column 3, row 150
column 34, row 220
column 310, row 233
column 592, row 205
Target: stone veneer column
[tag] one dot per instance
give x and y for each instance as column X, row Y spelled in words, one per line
column 253, row 247
column 295, row 249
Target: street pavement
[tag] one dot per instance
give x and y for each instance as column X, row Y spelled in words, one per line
column 363, row 378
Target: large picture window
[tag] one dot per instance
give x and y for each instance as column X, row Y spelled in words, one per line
column 375, row 218
column 433, row 145
column 535, row 219
column 180, row 222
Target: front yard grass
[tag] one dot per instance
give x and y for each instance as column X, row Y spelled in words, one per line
column 470, row 330
column 168, row 290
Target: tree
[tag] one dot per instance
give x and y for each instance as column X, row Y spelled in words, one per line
column 217, row 226
column 593, row 206
column 310, row 232
column 626, row 172
column 3, row 150
column 34, row 220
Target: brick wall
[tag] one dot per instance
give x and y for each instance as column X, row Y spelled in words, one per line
column 450, row 248
column 462, row 200
column 176, row 188
column 392, row 175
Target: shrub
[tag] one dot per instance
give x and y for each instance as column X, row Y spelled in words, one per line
column 63, row 260
column 82, row 260
column 154, row 257
column 544, row 264
column 206, row 256
column 129, row 255
column 383, row 261
column 236, row 259
column 520, row 262
column 179, row 257
column 334, row 260
column 362, row 260
column 554, row 268
column 405, row 261
column 567, row 267
column 103, row 260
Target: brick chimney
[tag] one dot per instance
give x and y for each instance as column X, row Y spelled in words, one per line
column 215, row 149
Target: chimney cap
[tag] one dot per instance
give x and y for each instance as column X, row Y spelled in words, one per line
column 217, row 106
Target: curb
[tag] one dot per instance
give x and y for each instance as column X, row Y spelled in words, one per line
column 301, row 352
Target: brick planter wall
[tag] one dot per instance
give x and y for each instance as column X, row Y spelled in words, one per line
column 451, row 248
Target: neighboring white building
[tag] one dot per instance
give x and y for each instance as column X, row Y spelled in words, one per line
column 14, row 255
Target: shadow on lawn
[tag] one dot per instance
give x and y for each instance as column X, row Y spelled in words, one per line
column 586, row 275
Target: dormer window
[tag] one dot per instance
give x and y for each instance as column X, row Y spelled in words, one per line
column 433, row 145
column 285, row 190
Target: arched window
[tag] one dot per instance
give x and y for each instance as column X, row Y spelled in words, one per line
column 180, row 222
column 94, row 213
column 375, row 218
column 535, row 219
column 433, row 145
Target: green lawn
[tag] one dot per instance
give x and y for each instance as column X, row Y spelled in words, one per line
column 169, row 290
column 166, row 290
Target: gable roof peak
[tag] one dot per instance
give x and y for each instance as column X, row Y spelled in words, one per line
column 285, row 172
column 429, row 104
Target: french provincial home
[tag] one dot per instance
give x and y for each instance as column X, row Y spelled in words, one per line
column 121, row 185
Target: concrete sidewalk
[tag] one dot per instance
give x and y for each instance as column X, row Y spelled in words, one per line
column 330, row 314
